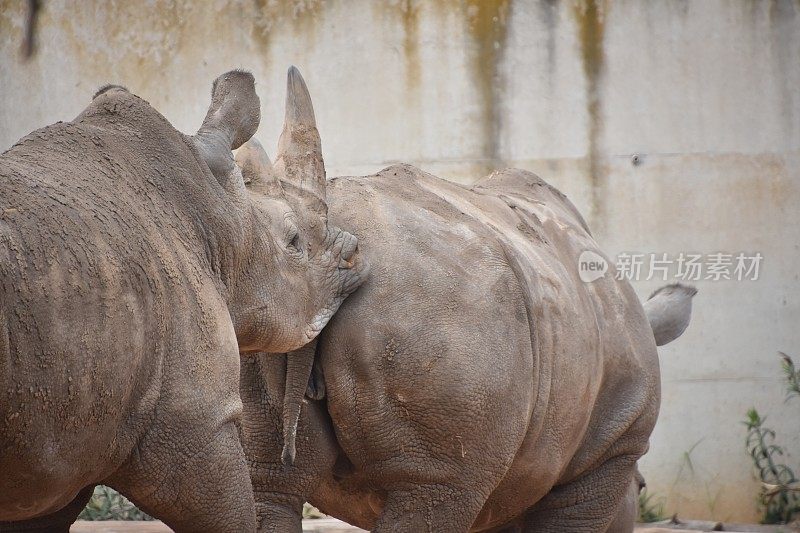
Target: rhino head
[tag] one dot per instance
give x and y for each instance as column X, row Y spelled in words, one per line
column 291, row 259
column 298, row 178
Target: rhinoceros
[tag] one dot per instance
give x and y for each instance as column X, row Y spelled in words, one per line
column 135, row 266
column 474, row 382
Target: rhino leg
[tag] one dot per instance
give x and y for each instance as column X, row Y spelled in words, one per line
column 588, row 504
column 188, row 468
column 203, row 486
column 429, row 509
column 281, row 490
column 628, row 511
column 58, row 522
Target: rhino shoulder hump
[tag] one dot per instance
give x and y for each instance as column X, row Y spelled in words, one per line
column 400, row 171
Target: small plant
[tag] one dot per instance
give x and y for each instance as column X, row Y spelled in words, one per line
column 792, row 376
column 651, row 509
column 779, row 498
column 108, row 504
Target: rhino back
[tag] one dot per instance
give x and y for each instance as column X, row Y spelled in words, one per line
column 535, row 365
column 101, row 276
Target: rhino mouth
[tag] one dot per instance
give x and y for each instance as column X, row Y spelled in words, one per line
column 318, row 323
column 321, row 319
column 351, row 277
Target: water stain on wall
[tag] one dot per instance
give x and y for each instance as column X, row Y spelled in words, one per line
column 785, row 51
column 548, row 14
column 409, row 11
column 136, row 45
column 589, row 16
column 488, row 22
column 11, row 10
column 268, row 15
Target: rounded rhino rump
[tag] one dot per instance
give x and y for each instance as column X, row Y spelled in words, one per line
column 598, row 342
column 79, row 332
column 93, row 250
column 558, row 367
column 107, row 261
column 416, row 365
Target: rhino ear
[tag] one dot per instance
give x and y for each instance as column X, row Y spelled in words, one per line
column 231, row 120
column 256, row 168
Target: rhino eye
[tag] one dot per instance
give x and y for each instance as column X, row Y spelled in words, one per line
column 293, row 240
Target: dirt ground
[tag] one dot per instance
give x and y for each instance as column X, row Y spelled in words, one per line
column 331, row 525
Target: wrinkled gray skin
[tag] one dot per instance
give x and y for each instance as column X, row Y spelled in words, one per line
column 473, row 382
column 669, row 310
column 628, row 510
column 134, row 267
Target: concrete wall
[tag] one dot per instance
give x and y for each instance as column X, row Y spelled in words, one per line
column 706, row 92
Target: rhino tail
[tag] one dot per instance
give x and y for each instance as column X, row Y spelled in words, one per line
column 316, row 389
column 669, row 310
column 298, row 371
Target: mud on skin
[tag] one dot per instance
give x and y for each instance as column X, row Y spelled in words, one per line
column 135, row 265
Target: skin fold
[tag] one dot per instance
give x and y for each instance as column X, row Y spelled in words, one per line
column 474, row 382
column 135, row 266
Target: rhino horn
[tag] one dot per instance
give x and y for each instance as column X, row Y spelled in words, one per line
column 257, row 170
column 299, row 158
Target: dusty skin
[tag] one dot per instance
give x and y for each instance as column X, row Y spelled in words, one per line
column 474, row 382
column 135, row 265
